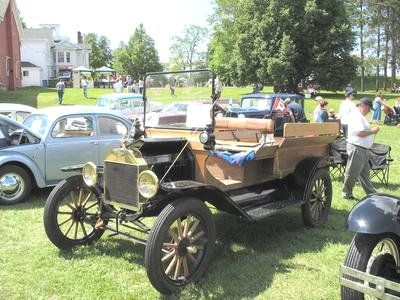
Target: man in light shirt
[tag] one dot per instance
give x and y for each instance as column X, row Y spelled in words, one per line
column 346, row 108
column 359, row 141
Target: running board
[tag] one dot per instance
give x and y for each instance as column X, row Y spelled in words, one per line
column 269, row 209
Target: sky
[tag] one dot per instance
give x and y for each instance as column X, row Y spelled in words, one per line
column 118, row 19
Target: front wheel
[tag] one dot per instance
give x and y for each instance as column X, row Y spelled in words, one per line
column 375, row 254
column 180, row 245
column 70, row 214
column 318, row 198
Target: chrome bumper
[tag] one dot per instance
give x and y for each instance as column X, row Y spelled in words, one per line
column 361, row 282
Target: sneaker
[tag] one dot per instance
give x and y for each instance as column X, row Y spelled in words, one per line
column 348, row 197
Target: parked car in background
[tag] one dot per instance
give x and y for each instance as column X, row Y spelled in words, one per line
column 174, row 112
column 260, row 105
column 130, row 104
column 16, row 112
column 33, row 153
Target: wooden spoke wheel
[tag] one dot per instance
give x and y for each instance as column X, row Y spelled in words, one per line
column 318, row 198
column 180, row 245
column 71, row 214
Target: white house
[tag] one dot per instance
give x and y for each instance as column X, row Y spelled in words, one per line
column 31, row 74
column 55, row 55
column 36, row 48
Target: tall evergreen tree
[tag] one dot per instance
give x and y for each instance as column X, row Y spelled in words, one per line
column 138, row 56
column 101, row 54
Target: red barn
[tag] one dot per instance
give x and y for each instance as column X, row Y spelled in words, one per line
column 10, row 57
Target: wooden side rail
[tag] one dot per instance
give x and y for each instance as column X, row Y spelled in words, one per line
column 263, row 125
column 291, row 130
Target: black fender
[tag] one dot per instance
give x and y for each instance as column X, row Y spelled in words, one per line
column 306, row 169
column 204, row 192
column 375, row 214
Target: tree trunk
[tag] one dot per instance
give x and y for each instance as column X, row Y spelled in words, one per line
column 378, row 50
column 362, row 45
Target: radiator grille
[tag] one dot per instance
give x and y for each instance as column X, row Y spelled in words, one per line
column 121, row 183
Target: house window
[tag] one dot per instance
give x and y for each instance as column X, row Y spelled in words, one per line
column 25, row 73
column 8, row 65
column 68, row 56
column 54, row 56
column 60, row 57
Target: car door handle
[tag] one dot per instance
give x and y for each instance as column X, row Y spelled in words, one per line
column 94, row 143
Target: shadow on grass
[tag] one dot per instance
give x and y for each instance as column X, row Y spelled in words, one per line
column 27, row 95
column 37, row 199
column 247, row 255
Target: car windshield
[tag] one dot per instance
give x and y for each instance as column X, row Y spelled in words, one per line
column 257, row 103
column 187, row 96
column 37, row 123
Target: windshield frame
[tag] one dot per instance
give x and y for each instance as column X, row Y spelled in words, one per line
column 146, row 100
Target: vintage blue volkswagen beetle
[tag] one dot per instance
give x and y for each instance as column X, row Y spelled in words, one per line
column 32, row 153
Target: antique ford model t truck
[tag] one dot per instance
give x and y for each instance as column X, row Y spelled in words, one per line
column 174, row 171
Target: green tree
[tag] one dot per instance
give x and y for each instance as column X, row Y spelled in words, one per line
column 186, row 50
column 138, row 56
column 101, row 54
column 284, row 41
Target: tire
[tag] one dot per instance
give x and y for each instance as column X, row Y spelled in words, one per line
column 361, row 256
column 70, row 214
column 318, row 199
column 188, row 246
column 16, row 184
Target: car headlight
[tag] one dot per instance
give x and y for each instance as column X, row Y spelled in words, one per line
column 203, row 137
column 89, row 174
column 148, row 184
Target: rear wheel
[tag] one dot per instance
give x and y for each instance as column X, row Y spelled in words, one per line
column 15, row 184
column 318, row 198
column 374, row 254
column 180, row 245
column 71, row 213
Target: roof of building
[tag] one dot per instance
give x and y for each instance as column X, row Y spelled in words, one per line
column 69, row 45
column 27, row 64
column 3, row 9
column 37, row 33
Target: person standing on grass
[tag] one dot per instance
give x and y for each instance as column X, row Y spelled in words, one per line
column 317, row 108
column 346, row 108
column 84, row 85
column 359, row 141
column 323, row 113
column 60, row 87
column 378, row 102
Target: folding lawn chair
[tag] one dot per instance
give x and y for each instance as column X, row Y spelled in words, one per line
column 379, row 162
column 338, row 157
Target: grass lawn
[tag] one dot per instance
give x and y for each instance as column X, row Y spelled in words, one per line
column 277, row 258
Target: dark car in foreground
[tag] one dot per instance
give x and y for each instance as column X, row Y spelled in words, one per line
column 372, row 266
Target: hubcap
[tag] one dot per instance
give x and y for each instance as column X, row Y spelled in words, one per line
column 77, row 214
column 184, row 248
column 11, row 186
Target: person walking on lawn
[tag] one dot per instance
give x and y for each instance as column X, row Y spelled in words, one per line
column 359, row 140
column 84, row 85
column 60, row 87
